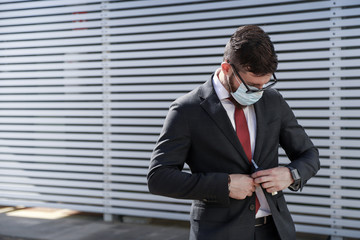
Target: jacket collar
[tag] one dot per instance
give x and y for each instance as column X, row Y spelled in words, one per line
column 212, row 105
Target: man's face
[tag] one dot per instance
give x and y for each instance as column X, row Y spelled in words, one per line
column 252, row 80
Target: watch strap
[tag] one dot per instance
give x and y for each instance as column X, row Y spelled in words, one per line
column 297, row 178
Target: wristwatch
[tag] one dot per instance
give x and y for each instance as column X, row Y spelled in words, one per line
column 297, row 179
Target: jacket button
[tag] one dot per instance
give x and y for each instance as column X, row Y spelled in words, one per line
column 252, row 207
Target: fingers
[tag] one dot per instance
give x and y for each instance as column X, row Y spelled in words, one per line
column 260, row 180
column 241, row 186
column 267, row 179
column 273, row 180
column 261, row 173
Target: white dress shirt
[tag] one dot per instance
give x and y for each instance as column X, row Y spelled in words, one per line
column 250, row 116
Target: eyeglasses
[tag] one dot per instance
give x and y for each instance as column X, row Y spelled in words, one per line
column 251, row 89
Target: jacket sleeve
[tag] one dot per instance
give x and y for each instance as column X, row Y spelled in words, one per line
column 303, row 155
column 165, row 175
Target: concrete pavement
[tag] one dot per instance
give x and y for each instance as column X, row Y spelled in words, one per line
column 55, row 224
column 61, row 224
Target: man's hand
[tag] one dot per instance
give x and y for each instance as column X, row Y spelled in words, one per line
column 241, row 186
column 273, row 179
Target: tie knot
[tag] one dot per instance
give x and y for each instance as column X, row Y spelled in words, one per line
column 237, row 105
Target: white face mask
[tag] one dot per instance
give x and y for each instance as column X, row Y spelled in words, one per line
column 242, row 97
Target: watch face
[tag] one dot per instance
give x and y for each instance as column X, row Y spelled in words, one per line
column 295, row 174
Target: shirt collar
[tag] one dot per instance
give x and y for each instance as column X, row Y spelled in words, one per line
column 220, row 90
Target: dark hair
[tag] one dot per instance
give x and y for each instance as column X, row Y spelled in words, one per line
column 251, row 49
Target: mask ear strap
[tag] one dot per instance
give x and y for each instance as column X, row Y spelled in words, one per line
column 228, row 82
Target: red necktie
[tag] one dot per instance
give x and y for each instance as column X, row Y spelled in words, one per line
column 242, row 131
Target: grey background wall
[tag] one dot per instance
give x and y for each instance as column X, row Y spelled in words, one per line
column 85, row 86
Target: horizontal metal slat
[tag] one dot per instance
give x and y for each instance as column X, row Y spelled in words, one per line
column 174, row 10
column 54, row 105
column 297, row 198
column 49, row 19
column 74, row 57
column 49, row 74
column 52, row 159
column 53, row 136
column 113, row 5
column 51, row 190
column 69, row 33
column 149, row 205
column 51, row 27
column 52, row 89
column 59, row 144
column 50, row 97
column 132, row 154
column 20, row 12
column 52, row 113
column 52, row 120
column 50, row 128
column 52, row 167
column 131, row 137
column 337, row 182
column 324, row 211
column 52, row 175
column 52, row 43
column 52, row 151
column 52, row 182
column 139, row 113
column 53, row 50
column 334, row 142
column 148, row 196
column 43, row 4
column 132, row 146
column 328, row 231
column 326, row 123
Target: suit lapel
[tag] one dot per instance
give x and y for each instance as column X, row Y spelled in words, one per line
column 212, row 105
column 260, row 129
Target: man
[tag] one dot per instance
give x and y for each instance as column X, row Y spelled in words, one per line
column 227, row 130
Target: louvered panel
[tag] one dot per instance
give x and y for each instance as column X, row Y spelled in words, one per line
column 52, row 104
column 193, row 48
column 86, row 85
column 301, row 66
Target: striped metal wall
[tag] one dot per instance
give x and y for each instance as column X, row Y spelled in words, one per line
column 85, row 86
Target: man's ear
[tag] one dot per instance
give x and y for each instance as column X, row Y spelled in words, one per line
column 226, row 68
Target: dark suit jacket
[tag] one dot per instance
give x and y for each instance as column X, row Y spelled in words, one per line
column 197, row 131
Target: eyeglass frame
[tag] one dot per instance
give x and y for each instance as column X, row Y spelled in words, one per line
column 249, row 91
